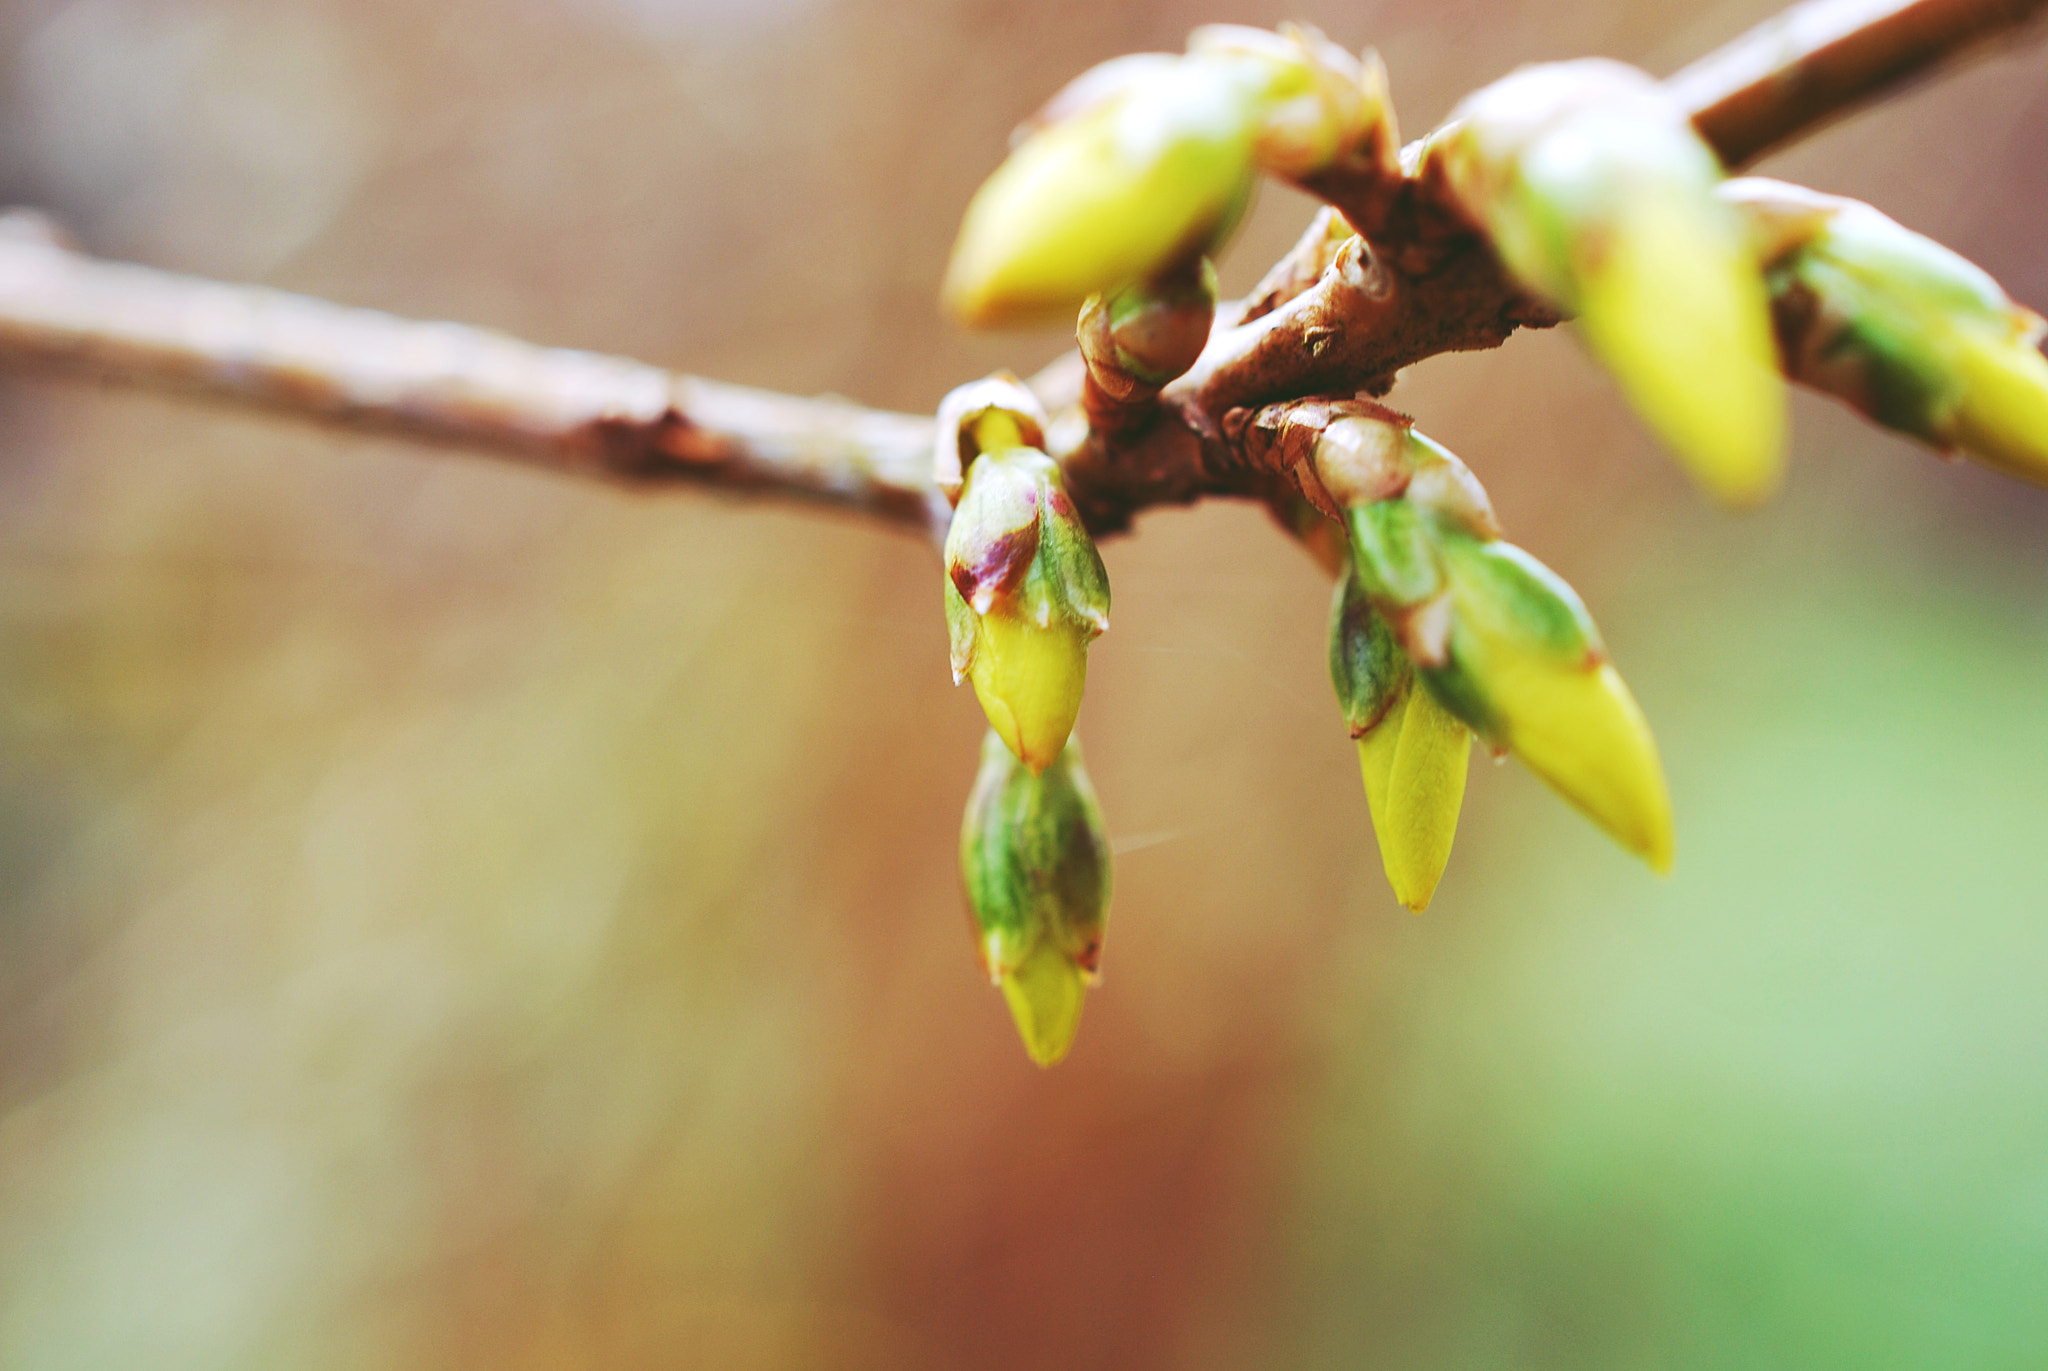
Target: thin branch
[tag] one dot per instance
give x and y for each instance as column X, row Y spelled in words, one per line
column 1328, row 326
column 578, row 412
column 1820, row 60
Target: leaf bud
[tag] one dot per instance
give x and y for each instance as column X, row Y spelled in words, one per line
column 1034, row 856
column 1597, row 194
column 1025, row 593
column 1911, row 334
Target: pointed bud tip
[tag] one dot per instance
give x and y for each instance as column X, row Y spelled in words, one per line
column 1414, row 764
column 1045, row 995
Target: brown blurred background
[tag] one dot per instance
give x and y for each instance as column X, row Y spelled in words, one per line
column 456, row 917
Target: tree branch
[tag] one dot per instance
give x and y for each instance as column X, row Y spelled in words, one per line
column 1820, row 60
column 1345, row 321
column 577, row 412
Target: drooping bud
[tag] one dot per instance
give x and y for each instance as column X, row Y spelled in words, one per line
column 1145, row 163
column 1598, row 195
column 1913, row 335
column 1035, row 859
column 1412, row 753
column 1025, row 594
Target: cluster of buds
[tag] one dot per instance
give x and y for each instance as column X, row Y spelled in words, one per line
column 1025, row 593
column 1035, row 859
column 1438, row 627
column 1600, row 200
column 1598, row 197
column 1906, row 331
column 1144, row 164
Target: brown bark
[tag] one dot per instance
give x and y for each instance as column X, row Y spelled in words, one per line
column 1327, row 320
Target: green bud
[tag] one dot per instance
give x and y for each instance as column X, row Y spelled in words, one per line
column 1025, row 594
column 1913, row 335
column 1035, row 859
column 1367, row 667
column 1597, row 193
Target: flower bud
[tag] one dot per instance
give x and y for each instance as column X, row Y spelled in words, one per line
column 998, row 411
column 1527, row 671
column 1145, row 163
column 1411, row 752
column 1035, row 859
column 1597, row 194
column 1911, row 334
column 1498, row 641
column 1025, row 594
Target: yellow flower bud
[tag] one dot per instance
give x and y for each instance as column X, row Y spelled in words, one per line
column 1896, row 325
column 1045, row 994
column 1414, row 763
column 1599, row 196
column 1676, row 310
column 1034, row 857
column 1029, row 679
column 1527, row 670
column 1134, row 183
column 2003, row 413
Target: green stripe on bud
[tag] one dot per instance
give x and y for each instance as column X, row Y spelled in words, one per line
column 1913, row 335
column 1412, row 753
column 1597, row 194
column 1025, row 594
column 1034, row 856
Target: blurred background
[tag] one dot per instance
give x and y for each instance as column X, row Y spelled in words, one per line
column 453, row 916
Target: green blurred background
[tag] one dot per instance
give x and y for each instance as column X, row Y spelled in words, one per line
column 452, row 916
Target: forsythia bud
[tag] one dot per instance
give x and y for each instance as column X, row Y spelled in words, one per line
column 1025, row 594
column 1598, row 196
column 1496, row 639
column 1146, row 162
column 1412, row 753
column 1526, row 669
column 1913, row 335
column 1035, row 859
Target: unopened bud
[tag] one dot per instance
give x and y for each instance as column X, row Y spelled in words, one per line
column 1411, row 752
column 1144, row 164
column 1150, row 331
column 1597, row 194
column 1913, row 335
column 1034, row 856
column 1527, row 671
column 988, row 415
column 1025, row 594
